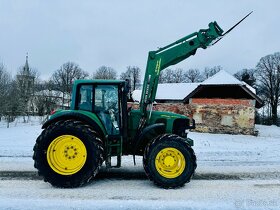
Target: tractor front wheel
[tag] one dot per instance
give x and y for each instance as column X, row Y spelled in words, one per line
column 169, row 161
column 68, row 154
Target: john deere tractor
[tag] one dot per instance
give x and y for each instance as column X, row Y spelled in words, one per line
column 99, row 125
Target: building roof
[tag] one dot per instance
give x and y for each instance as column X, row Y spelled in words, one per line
column 232, row 88
column 169, row 91
column 225, row 78
column 232, row 91
column 222, row 77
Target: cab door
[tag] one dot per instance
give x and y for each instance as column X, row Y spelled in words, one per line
column 107, row 107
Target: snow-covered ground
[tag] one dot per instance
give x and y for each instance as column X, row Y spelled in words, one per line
column 234, row 171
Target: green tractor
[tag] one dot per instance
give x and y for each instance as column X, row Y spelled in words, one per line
column 99, row 125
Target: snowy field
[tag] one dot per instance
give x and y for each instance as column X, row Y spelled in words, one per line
column 234, row 172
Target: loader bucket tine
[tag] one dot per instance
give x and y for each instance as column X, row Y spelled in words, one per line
column 236, row 24
column 231, row 29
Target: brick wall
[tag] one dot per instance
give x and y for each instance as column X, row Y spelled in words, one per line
column 233, row 116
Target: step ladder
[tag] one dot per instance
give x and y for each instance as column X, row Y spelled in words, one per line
column 114, row 149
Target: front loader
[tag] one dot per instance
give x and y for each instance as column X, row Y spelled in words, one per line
column 99, row 125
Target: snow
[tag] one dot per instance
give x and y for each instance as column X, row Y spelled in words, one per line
column 225, row 78
column 175, row 91
column 222, row 78
column 121, row 194
column 235, row 154
column 170, row 91
column 178, row 91
column 136, row 95
column 234, row 171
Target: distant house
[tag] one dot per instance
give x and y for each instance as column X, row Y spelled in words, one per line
column 39, row 102
column 220, row 104
column 48, row 100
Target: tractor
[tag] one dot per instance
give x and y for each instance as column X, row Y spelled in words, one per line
column 99, row 125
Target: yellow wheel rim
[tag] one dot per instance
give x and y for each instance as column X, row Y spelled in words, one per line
column 66, row 154
column 170, row 163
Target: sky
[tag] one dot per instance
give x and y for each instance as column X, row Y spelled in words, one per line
column 119, row 33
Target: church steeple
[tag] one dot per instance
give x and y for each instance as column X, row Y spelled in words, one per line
column 26, row 80
column 26, row 69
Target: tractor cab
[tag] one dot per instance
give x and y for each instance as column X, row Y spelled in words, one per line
column 108, row 101
column 104, row 102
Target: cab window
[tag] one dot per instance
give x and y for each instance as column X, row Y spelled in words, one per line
column 106, row 106
column 85, row 98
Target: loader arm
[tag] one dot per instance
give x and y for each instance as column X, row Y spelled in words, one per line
column 170, row 55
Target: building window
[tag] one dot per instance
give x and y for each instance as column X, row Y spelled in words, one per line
column 227, row 120
column 197, row 117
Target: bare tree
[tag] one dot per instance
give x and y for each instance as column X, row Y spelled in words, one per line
column 178, row 75
column 133, row 74
column 124, row 76
column 172, row 76
column 105, row 72
column 16, row 95
column 5, row 80
column 210, row 71
column 247, row 75
column 268, row 74
column 14, row 105
column 63, row 78
column 193, row 75
column 166, row 76
column 46, row 99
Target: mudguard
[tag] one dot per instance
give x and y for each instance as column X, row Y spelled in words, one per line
column 75, row 116
column 148, row 133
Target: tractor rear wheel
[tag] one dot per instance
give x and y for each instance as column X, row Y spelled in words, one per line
column 169, row 161
column 68, row 154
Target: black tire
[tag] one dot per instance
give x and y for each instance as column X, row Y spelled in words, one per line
column 91, row 141
column 159, row 144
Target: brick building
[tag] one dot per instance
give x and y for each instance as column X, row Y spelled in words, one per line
column 220, row 104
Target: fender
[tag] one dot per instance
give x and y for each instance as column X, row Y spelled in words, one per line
column 148, row 133
column 78, row 117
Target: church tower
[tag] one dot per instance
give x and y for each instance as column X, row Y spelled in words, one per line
column 26, row 69
column 25, row 85
column 26, row 80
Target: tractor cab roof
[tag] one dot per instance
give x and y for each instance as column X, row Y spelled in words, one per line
column 98, row 81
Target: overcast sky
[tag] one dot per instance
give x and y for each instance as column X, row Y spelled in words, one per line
column 118, row 33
